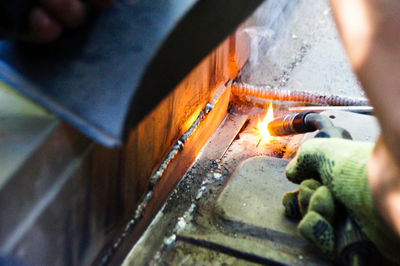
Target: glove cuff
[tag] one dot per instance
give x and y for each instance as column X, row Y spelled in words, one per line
column 353, row 191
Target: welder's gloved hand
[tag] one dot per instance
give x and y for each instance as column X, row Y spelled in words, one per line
column 331, row 171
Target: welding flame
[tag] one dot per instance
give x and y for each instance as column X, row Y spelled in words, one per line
column 262, row 126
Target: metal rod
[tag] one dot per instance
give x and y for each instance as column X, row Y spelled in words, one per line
column 233, row 139
column 298, row 96
column 258, row 143
column 228, row 250
column 355, row 109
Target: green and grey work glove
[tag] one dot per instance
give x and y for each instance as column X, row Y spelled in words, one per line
column 331, row 171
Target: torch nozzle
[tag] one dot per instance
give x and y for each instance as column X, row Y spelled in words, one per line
column 306, row 122
column 290, row 124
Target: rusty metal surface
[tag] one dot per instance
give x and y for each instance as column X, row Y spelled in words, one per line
column 185, row 193
column 237, row 216
column 86, row 208
column 190, row 212
column 105, row 77
column 163, row 169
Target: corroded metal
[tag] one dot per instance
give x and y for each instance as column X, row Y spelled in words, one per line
column 155, row 45
column 270, row 93
column 158, row 175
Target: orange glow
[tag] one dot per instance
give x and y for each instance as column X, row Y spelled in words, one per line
column 262, row 126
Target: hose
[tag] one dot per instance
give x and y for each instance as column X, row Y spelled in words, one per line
column 269, row 93
column 352, row 246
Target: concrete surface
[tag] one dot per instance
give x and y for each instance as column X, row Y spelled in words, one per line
column 240, row 214
column 187, row 254
column 302, row 51
column 253, row 195
column 238, row 219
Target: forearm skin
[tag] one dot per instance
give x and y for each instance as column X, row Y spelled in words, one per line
column 370, row 31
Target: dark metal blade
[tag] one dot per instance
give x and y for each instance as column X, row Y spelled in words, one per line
column 105, row 77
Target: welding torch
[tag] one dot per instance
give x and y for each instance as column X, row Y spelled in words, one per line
column 306, row 122
column 352, row 246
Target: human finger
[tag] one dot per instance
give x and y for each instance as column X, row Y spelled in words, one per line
column 318, row 231
column 322, row 202
column 306, row 190
column 305, row 165
column 70, row 13
column 42, row 27
column 291, row 204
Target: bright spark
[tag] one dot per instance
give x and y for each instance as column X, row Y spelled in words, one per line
column 262, row 126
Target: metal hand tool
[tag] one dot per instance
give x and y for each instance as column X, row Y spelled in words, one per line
column 106, row 76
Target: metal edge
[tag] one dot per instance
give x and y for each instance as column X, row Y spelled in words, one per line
column 15, row 80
